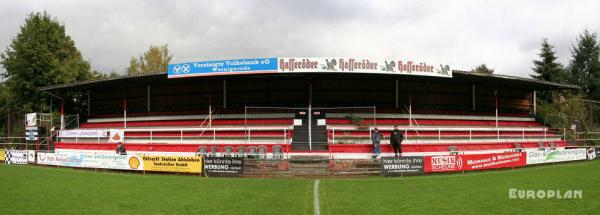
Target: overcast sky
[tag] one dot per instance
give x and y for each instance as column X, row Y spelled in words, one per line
column 505, row 35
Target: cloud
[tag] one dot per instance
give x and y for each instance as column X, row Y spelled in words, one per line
column 505, row 35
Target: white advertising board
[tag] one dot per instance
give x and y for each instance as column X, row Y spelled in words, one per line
column 31, row 156
column 91, row 160
column 555, row 155
column 81, row 133
column 31, row 120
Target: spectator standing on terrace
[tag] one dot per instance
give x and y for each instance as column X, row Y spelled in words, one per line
column 121, row 149
column 395, row 140
column 376, row 139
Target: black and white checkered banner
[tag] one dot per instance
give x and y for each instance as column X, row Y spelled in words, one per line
column 16, row 157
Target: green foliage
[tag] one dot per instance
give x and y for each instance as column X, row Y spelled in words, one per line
column 583, row 71
column 100, row 75
column 563, row 111
column 585, row 65
column 547, row 69
column 4, row 96
column 40, row 55
column 154, row 60
column 483, row 69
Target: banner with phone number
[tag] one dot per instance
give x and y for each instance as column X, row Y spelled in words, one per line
column 448, row 163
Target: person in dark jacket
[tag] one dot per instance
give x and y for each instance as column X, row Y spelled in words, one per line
column 395, row 140
column 376, row 139
column 121, row 149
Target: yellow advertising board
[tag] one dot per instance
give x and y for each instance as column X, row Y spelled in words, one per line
column 2, row 155
column 188, row 164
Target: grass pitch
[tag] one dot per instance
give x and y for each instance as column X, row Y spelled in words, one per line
column 48, row 190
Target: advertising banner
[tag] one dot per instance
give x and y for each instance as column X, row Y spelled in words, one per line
column 83, row 133
column 116, row 135
column 16, row 157
column 448, row 163
column 31, row 156
column 396, row 166
column 31, row 120
column 309, row 64
column 188, row 164
column 363, row 65
column 494, row 161
column 443, row 163
column 555, row 155
column 31, row 133
column 91, row 160
column 592, row 153
column 224, row 166
column 2, row 155
column 217, row 67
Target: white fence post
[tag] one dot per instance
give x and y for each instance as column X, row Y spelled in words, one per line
column 332, row 135
column 470, row 135
column 498, row 134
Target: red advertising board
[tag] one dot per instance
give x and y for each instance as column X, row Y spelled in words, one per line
column 446, row 163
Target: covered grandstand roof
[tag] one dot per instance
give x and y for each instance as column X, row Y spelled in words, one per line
column 462, row 76
column 506, row 79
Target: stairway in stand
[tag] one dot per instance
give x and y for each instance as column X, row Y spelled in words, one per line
column 300, row 139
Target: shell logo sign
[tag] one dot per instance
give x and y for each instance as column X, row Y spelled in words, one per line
column 134, row 163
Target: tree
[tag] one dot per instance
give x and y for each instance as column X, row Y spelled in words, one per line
column 3, row 109
column 100, row 75
column 584, row 66
column 155, row 59
column 40, row 55
column 547, row 69
column 134, row 66
column 483, row 69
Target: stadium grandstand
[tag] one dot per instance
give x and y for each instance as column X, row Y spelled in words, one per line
column 280, row 107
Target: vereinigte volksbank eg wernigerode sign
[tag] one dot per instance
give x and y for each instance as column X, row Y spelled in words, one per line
column 307, row 65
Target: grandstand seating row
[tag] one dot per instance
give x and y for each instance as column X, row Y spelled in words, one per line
column 424, row 133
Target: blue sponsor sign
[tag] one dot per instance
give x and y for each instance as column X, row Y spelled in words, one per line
column 219, row 67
